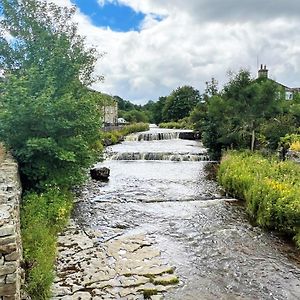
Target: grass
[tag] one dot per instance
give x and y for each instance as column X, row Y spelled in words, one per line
column 271, row 189
column 43, row 216
column 116, row 136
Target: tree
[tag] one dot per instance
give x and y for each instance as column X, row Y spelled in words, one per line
column 48, row 118
column 180, row 103
column 157, row 110
column 236, row 113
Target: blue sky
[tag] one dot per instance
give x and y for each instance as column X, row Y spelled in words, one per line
column 118, row 17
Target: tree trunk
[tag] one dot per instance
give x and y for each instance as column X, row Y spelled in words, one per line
column 253, row 140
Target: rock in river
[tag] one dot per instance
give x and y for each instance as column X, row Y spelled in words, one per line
column 101, row 174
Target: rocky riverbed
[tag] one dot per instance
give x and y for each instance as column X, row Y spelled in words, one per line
column 127, row 267
column 162, row 227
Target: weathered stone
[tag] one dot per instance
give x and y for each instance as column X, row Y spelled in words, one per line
column 156, row 297
column 99, row 270
column 4, row 213
column 12, row 256
column 7, row 240
column 7, row 249
column 134, row 281
column 13, row 297
column 101, row 174
column 11, row 278
column 2, row 279
column 8, row 268
column 58, row 290
column 82, row 296
column 8, row 289
column 7, row 230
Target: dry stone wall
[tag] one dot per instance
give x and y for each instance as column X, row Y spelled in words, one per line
column 10, row 237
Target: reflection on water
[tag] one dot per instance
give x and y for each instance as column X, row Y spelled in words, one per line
column 216, row 252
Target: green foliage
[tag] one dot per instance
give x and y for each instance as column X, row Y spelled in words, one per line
column 116, row 136
column 42, row 217
column 125, row 105
column 181, row 124
column 180, row 103
column 48, row 118
column 271, row 189
column 289, row 139
column 275, row 128
column 232, row 117
column 135, row 116
column 157, row 110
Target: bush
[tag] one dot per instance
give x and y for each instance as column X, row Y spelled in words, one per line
column 115, row 136
column 182, row 124
column 271, row 189
column 295, row 146
column 289, row 140
column 42, row 217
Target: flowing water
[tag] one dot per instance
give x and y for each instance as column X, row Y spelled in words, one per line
column 159, row 187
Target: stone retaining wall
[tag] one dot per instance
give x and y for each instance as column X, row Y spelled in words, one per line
column 10, row 237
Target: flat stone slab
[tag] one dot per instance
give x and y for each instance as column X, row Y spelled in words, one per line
column 128, row 267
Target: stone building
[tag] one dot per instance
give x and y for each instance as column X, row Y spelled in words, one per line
column 289, row 91
column 110, row 113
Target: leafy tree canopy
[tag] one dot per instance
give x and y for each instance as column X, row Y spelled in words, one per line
column 48, row 118
column 236, row 113
column 180, row 103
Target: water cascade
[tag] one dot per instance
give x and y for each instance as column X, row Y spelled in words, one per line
column 155, row 136
column 159, row 156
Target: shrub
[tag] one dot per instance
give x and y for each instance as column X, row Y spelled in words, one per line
column 290, row 139
column 42, row 217
column 115, row 136
column 295, row 146
column 271, row 189
column 181, row 124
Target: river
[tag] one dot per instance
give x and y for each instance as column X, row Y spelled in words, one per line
column 160, row 198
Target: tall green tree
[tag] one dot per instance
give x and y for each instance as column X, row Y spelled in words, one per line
column 48, row 118
column 180, row 103
column 235, row 115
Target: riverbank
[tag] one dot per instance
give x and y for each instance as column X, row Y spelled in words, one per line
column 43, row 216
column 113, row 137
column 271, row 189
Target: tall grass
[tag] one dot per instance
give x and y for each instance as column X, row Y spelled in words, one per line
column 271, row 189
column 42, row 218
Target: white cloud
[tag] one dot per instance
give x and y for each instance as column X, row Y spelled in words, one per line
column 196, row 40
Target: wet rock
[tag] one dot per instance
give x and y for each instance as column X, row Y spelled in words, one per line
column 100, row 174
column 122, row 267
column 189, row 135
column 293, row 155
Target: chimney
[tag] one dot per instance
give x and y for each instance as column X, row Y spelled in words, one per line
column 263, row 72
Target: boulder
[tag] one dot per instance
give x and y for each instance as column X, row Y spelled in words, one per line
column 189, row 135
column 100, row 173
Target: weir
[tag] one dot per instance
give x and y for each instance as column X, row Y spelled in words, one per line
column 155, row 136
column 159, row 156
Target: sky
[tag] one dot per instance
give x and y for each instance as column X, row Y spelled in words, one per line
column 154, row 46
